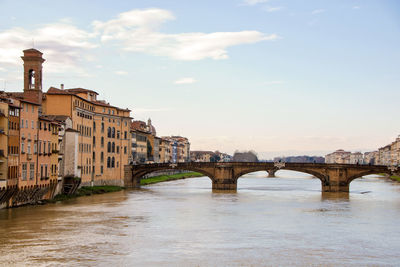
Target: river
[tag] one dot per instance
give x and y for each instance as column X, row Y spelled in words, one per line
column 268, row 222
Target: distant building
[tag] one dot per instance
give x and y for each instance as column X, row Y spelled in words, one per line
column 339, row 156
column 371, row 157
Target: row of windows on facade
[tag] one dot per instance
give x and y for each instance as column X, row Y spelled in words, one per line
column 83, row 115
column 25, row 107
column 51, row 147
column 12, row 172
column 84, row 131
column 14, row 112
column 84, row 105
column 110, row 164
column 13, row 125
column 43, row 171
column 40, row 126
column 85, row 148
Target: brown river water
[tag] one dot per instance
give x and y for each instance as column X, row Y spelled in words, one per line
column 283, row 221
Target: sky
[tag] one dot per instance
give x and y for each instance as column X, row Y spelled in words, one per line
column 276, row 76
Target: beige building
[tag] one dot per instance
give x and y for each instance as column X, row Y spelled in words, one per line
column 202, row 156
column 339, row 156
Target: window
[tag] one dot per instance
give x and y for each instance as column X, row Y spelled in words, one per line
column 113, row 132
column 32, row 125
column 109, row 147
column 118, row 149
column 35, row 148
column 94, row 157
column 113, row 162
column 108, row 162
column 102, row 127
column 113, row 147
column 31, row 171
column 33, row 109
column 102, row 141
column 109, row 132
column 101, row 169
column 94, row 141
column 125, row 135
column 117, row 134
column 94, row 126
column 125, row 150
column 22, row 147
column 29, row 147
column 26, row 124
column 24, row 169
column 22, row 123
column 102, row 157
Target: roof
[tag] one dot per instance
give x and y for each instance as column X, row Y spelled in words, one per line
column 74, row 91
column 57, row 118
column 80, row 90
column 21, row 97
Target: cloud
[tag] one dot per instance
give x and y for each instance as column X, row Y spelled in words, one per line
column 254, row 2
column 121, row 72
column 356, row 7
column 61, row 43
column 273, row 9
column 187, row 80
column 318, row 11
column 137, row 31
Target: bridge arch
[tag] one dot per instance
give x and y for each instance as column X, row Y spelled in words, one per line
column 367, row 172
column 140, row 174
column 320, row 176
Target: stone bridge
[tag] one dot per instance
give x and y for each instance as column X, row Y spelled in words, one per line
column 224, row 176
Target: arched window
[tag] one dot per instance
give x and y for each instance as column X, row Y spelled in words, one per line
column 113, row 147
column 113, row 132
column 109, row 147
column 113, row 162
column 109, row 132
column 102, row 156
column 108, row 162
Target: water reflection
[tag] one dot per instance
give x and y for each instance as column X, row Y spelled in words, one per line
column 268, row 221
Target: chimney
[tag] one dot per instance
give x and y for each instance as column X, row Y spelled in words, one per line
column 62, row 86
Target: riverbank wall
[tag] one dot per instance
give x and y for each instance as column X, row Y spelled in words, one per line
column 14, row 196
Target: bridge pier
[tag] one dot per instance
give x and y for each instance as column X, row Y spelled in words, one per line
column 130, row 180
column 271, row 173
column 336, row 187
column 224, row 184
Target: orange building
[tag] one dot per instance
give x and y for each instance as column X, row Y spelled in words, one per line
column 104, row 142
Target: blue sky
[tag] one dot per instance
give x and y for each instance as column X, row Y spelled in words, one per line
column 280, row 77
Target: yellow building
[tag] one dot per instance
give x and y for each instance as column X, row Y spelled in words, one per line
column 104, row 140
column 3, row 143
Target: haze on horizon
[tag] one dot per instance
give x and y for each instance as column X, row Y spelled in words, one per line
column 278, row 77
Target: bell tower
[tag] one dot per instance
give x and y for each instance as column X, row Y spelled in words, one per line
column 33, row 61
